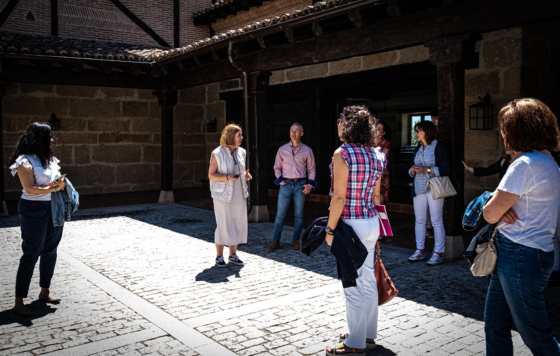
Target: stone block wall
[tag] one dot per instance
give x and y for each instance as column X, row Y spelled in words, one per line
column 351, row 65
column 109, row 138
column 499, row 74
column 193, row 143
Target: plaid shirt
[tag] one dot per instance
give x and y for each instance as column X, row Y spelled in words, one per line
column 365, row 168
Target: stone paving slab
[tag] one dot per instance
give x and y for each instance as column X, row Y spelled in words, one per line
column 128, row 271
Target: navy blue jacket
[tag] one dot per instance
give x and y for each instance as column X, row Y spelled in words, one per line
column 349, row 252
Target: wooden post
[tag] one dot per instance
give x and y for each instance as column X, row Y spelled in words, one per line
column 447, row 55
column 257, row 84
column 3, row 207
column 167, row 100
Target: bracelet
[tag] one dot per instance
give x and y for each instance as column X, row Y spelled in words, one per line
column 329, row 231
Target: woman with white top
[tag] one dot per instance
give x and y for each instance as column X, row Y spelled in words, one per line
column 229, row 188
column 431, row 160
column 525, row 208
column 39, row 174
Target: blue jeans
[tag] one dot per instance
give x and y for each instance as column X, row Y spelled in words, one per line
column 40, row 239
column 292, row 189
column 516, row 298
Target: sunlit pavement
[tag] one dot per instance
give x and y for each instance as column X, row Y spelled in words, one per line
column 140, row 280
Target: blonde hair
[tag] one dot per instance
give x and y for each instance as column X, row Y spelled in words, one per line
column 227, row 137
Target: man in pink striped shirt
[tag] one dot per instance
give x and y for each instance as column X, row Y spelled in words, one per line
column 295, row 173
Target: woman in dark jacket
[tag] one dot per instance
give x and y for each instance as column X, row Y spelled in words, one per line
column 499, row 167
column 431, row 160
column 39, row 174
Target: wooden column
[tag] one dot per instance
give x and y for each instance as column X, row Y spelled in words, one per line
column 447, row 55
column 167, row 100
column 3, row 207
column 257, row 83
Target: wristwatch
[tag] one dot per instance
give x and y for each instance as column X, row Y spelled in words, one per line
column 329, row 231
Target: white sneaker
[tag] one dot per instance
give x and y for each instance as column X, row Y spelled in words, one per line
column 436, row 259
column 418, row 255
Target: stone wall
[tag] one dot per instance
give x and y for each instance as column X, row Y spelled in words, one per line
column 266, row 10
column 109, row 138
column 351, row 65
column 193, row 144
column 499, row 74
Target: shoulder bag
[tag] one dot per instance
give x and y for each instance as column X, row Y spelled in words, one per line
column 386, row 289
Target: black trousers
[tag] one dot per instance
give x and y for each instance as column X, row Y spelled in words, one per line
column 40, row 239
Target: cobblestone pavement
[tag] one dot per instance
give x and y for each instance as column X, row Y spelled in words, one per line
column 140, row 280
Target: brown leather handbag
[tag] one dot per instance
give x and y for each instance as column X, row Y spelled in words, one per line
column 386, row 289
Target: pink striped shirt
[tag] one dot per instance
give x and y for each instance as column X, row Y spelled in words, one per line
column 295, row 162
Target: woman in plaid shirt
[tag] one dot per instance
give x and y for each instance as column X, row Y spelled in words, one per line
column 357, row 168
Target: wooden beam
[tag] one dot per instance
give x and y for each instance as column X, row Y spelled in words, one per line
column 7, row 10
column 289, row 32
column 177, row 23
column 140, row 23
column 355, row 17
column 393, row 8
column 63, row 75
column 384, row 35
column 54, row 17
column 215, row 56
column 317, row 29
column 261, row 41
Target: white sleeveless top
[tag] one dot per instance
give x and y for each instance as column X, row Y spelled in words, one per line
column 229, row 165
column 43, row 176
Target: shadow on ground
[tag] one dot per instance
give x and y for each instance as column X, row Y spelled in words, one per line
column 217, row 274
column 447, row 287
column 39, row 309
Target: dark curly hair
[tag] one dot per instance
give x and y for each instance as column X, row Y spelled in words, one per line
column 35, row 141
column 356, row 122
column 528, row 124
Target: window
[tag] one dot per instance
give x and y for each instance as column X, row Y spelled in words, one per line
column 413, row 119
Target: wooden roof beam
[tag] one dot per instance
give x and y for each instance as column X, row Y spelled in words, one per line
column 356, row 18
column 289, row 32
column 317, row 29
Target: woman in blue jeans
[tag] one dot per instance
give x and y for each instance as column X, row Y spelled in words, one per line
column 525, row 208
column 39, row 174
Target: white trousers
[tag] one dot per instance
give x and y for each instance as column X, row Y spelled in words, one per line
column 362, row 300
column 422, row 203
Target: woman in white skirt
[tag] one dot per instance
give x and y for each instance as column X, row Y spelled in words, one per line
column 229, row 188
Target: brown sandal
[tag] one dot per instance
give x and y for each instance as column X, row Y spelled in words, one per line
column 342, row 349
column 370, row 343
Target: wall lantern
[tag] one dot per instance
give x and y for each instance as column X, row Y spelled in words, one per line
column 481, row 114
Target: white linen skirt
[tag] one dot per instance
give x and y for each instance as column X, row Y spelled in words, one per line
column 231, row 219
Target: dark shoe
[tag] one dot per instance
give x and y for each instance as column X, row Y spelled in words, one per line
column 370, row 343
column 23, row 311
column 342, row 349
column 275, row 245
column 48, row 300
column 220, row 261
column 234, row 260
column 296, row 245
